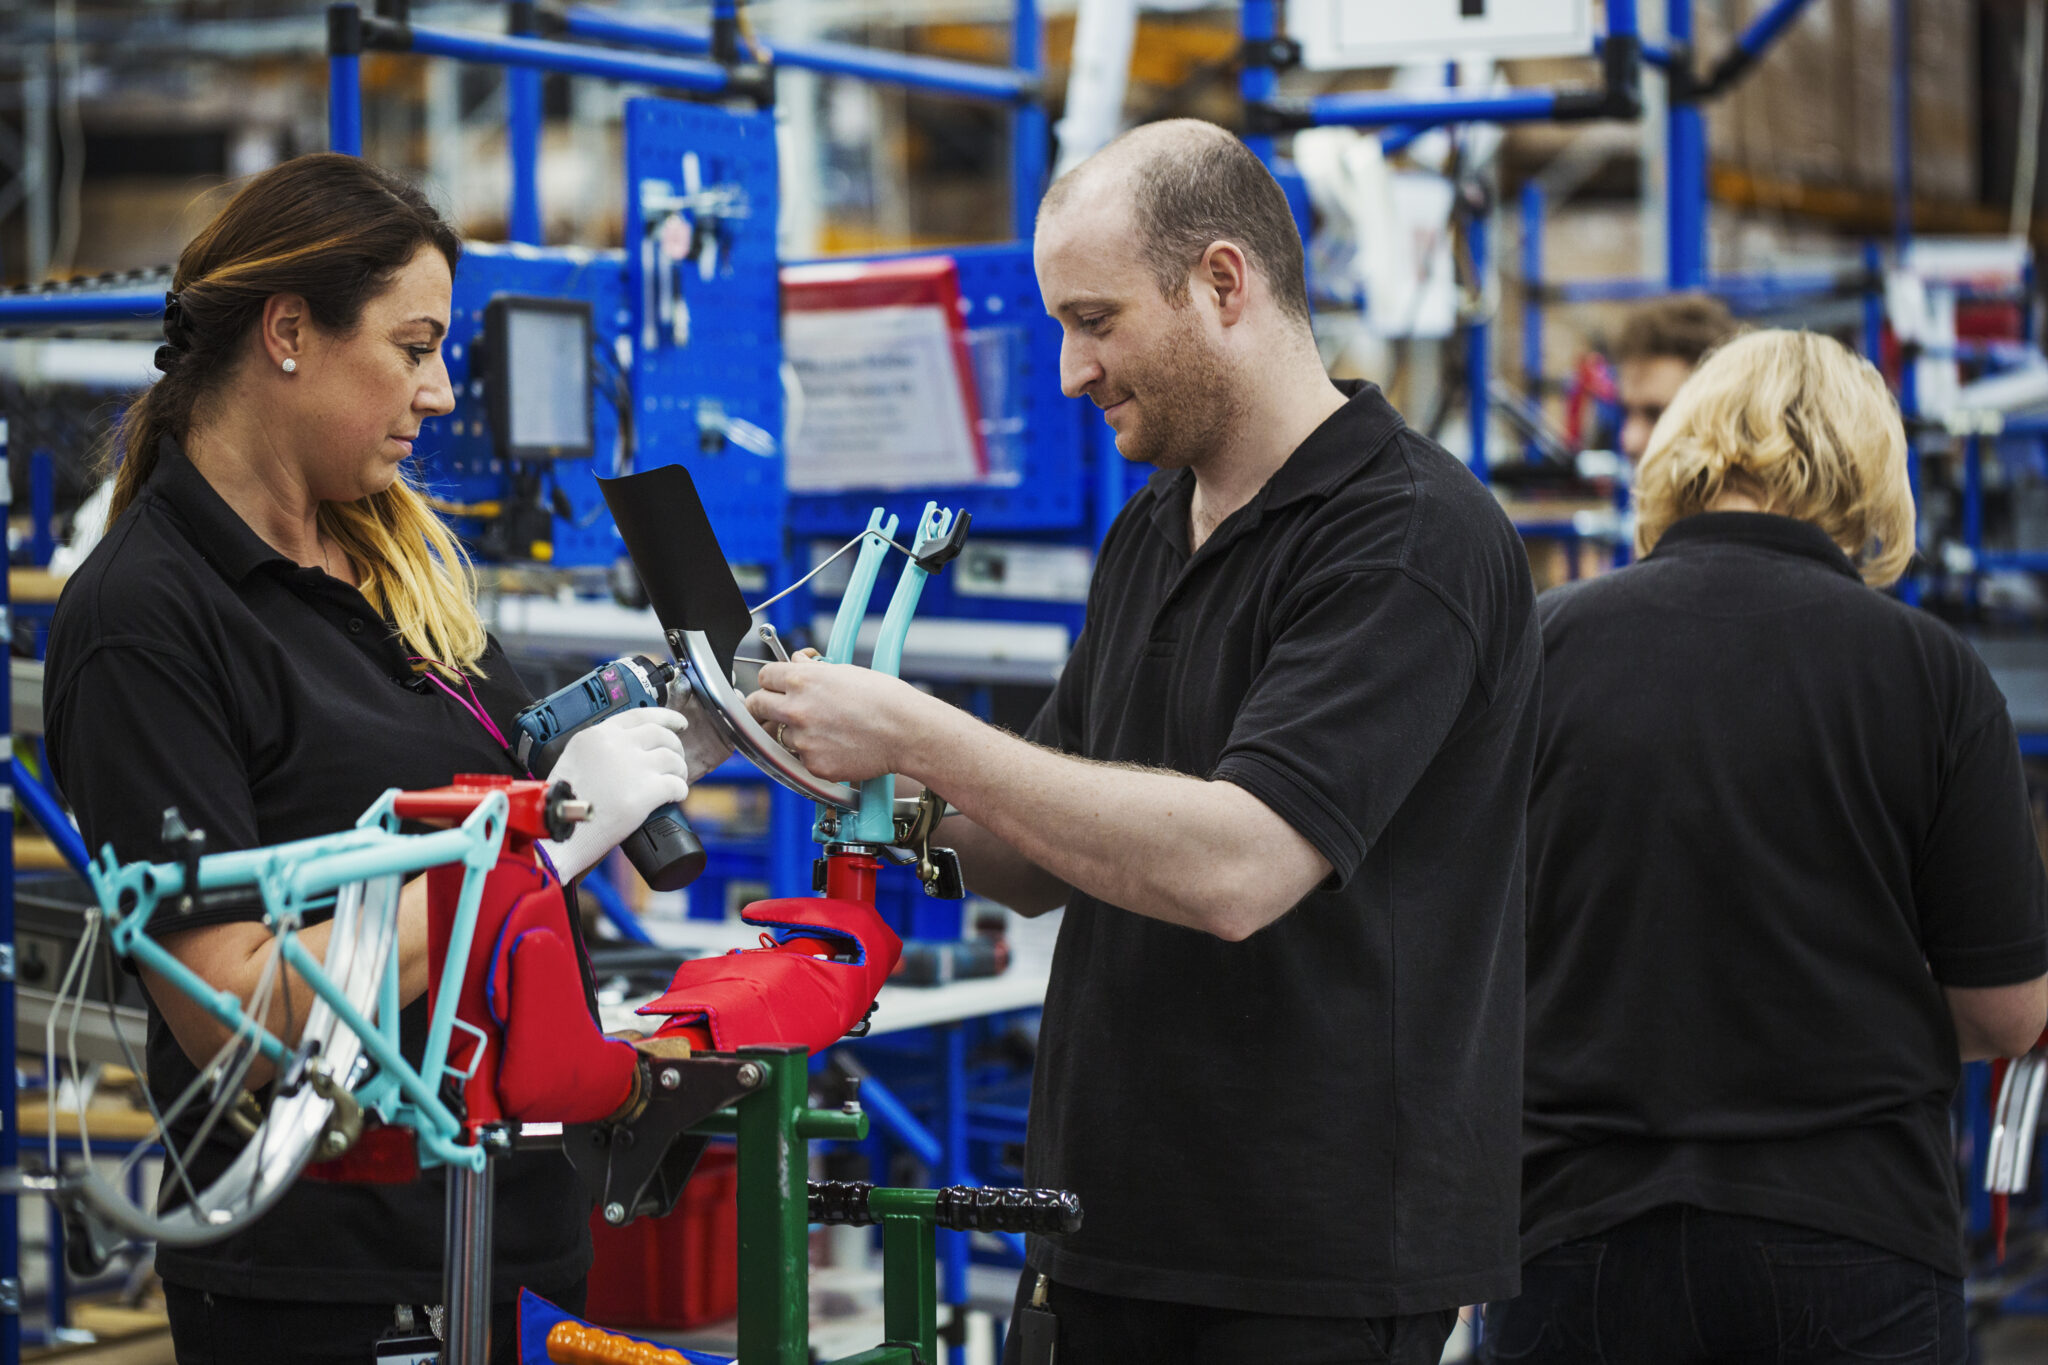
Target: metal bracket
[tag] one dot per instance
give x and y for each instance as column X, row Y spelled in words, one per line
column 1280, row 53
column 1265, row 118
column 638, row 1168
column 1682, row 83
column 1620, row 94
column 937, row 868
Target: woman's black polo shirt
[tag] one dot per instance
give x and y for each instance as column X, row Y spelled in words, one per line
column 1321, row 1120
column 1774, row 813
column 192, row 665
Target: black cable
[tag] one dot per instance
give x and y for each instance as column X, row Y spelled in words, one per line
column 605, row 373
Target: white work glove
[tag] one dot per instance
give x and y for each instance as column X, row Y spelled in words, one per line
column 627, row 767
column 703, row 743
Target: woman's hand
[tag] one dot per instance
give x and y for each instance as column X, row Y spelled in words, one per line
column 626, row 766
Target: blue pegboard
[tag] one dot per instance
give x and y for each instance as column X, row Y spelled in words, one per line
column 1000, row 300
column 455, row 459
column 730, row 367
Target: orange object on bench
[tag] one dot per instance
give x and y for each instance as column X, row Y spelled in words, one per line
column 575, row 1343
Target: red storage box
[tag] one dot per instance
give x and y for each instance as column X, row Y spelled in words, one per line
column 677, row 1271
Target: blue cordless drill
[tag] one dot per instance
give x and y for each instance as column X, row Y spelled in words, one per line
column 665, row 851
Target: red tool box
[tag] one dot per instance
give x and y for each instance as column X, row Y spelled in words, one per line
column 681, row 1270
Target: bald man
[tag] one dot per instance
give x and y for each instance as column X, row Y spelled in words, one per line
column 1280, row 790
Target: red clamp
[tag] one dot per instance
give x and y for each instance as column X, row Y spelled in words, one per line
column 535, row 806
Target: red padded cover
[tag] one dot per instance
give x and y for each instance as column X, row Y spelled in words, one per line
column 785, row 996
column 544, row 1059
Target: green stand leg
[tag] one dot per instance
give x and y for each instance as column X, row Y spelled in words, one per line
column 776, row 1126
column 775, row 1262
column 910, row 1291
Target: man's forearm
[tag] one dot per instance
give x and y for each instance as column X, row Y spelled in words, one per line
column 994, row 869
column 1208, row 855
column 1160, row 844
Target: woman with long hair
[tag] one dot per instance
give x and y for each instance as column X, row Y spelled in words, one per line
column 275, row 629
column 1783, row 882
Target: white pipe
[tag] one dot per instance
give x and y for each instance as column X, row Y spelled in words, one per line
column 1104, row 31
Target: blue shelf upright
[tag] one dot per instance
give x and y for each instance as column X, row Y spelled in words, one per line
column 10, row 1130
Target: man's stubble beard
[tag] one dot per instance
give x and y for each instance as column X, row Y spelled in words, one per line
column 1189, row 400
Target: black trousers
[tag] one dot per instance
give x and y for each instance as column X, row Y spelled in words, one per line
column 219, row 1329
column 1102, row 1329
column 1683, row 1286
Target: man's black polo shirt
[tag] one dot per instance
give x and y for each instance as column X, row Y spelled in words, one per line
column 1322, row 1119
column 191, row 665
column 1774, row 812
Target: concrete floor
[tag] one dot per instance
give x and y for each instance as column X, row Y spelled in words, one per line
column 2016, row 1341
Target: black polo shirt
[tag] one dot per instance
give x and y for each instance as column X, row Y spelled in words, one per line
column 1774, row 812
column 1322, row 1119
column 192, row 665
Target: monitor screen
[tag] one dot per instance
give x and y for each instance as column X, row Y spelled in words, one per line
column 540, row 377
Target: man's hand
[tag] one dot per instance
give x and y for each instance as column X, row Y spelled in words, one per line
column 847, row 723
column 1208, row 855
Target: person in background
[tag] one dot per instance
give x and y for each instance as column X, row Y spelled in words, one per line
column 1783, row 882
column 1661, row 343
column 275, row 629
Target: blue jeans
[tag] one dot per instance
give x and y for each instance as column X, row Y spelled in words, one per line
column 1683, row 1286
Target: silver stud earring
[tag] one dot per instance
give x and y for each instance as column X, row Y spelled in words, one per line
column 290, row 366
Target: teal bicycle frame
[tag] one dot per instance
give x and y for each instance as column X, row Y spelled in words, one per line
column 875, row 821
column 296, row 879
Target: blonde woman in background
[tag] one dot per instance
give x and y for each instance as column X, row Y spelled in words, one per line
column 274, row 629
column 1782, row 883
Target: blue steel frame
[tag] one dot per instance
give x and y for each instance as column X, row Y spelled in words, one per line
column 523, row 115
column 10, row 1137
column 539, row 54
column 1259, row 84
column 933, row 75
column 42, row 807
column 1686, row 190
column 1685, row 168
column 350, row 31
column 1016, row 85
column 1405, row 114
column 62, row 307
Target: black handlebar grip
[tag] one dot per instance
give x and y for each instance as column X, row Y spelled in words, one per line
column 840, row 1203
column 665, row 851
column 961, row 1208
column 969, row 1208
